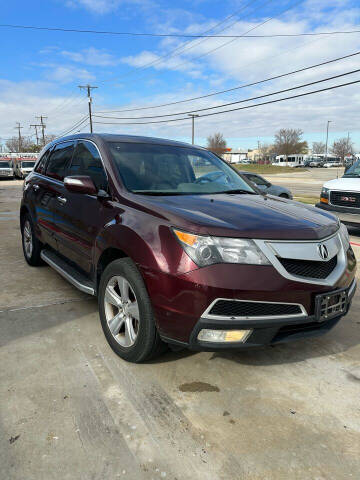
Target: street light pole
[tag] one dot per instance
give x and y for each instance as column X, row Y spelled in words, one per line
column 327, row 139
column 193, row 116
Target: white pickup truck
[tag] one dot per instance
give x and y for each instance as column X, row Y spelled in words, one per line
column 342, row 196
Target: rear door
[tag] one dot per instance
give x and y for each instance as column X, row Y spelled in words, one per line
column 54, row 193
column 82, row 216
column 38, row 195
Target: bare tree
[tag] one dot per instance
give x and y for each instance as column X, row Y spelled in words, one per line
column 26, row 145
column 342, row 148
column 264, row 151
column 288, row 141
column 318, row 147
column 216, row 143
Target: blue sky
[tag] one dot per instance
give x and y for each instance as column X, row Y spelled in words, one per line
column 41, row 69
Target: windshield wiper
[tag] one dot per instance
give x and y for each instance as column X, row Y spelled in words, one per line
column 157, row 193
column 238, row 190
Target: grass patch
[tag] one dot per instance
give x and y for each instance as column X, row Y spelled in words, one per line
column 268, row 169
column 309, row 200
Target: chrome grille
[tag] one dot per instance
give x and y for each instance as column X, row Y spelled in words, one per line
column 345, row 199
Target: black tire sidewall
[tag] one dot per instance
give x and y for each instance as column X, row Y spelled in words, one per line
column 147, row 337
column 35, row 259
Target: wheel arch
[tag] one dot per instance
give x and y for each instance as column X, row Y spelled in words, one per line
column 107, row 256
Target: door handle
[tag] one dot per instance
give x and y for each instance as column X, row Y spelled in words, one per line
column 62, row 200
column 36, row 187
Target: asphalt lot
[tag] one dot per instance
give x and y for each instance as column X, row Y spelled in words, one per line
column 71, row 409
column 307, row 183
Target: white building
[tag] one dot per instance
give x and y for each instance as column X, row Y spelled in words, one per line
column 235, row 156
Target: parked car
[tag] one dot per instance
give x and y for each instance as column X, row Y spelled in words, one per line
column 174, row 259
column 6, row 170
column 22, row 168
column 332, row 162
column 314, row 162
column 342, row 196
column 267, row 187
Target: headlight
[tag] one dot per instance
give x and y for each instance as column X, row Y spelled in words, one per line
column 344, row 234
column 324, row 195
column 209, row 250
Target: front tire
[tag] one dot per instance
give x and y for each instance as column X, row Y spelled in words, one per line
column 31, row 245
column 126, row 313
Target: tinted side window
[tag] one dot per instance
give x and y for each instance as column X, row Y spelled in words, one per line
column 59, row 160
column 41, row 166
column 87, row 161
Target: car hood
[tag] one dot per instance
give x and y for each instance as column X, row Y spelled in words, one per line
column 344, row 184
column 241, row 215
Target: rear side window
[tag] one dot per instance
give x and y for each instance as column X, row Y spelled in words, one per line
column 87, row 161
column 59, row 160
column 41, row 166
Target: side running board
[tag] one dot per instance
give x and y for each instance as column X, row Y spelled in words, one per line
column 68, row 272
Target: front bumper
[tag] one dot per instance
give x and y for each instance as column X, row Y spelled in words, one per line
column 181, row 302
column 264, row 332
column 348, row 215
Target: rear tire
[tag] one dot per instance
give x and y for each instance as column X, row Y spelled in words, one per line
column 126, row 313
column 284, row 195
column 31, row 245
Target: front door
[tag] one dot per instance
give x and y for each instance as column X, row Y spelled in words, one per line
column 83, row 215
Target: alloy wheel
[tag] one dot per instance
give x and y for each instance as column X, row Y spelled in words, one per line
column 122, row 311
column 28, row 240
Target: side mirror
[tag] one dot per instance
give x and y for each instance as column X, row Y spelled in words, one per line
column 80, row 184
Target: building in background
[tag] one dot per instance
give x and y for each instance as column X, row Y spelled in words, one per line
column 235, row 155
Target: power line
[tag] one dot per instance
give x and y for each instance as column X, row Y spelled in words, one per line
column 234, row 88
column 74, row 127
column 236, row 102
column 238, row 108
column 175, row 35
column 234, row 39
column 190, row 44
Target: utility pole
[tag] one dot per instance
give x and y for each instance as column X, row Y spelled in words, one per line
column 36, row 132
column 18, row 128
column 43, row 126
column 193, row 116
column 327, row 139
column 89, row 88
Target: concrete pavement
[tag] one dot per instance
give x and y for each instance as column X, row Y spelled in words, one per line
column 71, row 409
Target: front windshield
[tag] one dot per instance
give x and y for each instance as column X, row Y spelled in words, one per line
column 353, row 171
column 171, row 170
column 4, row 164
column 27, row 164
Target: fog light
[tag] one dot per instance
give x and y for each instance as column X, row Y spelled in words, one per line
column 223, row 336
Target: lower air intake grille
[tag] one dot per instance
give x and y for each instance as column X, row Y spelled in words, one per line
column 232, row 308
column 305, row 268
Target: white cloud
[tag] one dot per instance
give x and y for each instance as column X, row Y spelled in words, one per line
column 103, row 6
column 38, row 98
column 91, row 56
column 65, row 73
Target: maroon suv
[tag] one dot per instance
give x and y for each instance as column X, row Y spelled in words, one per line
column 178, row 255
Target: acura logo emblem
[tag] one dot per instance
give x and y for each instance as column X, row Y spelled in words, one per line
column 323, row 251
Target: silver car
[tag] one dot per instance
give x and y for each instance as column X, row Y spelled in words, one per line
column 266, row 186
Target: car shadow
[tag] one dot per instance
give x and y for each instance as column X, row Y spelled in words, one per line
column 335, row 342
